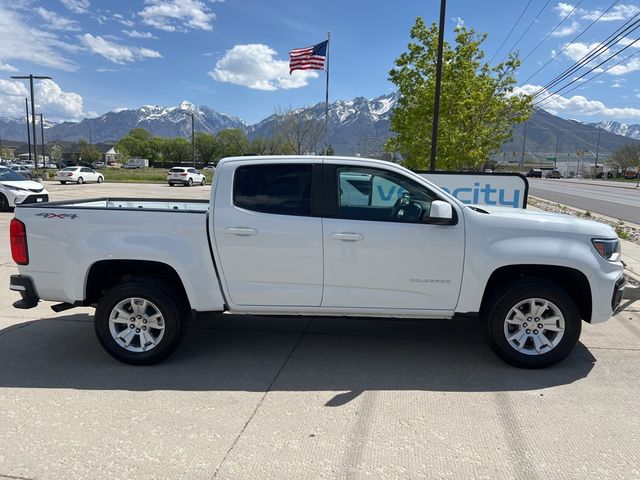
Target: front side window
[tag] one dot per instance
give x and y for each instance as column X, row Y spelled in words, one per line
column 279, row 189
column 381, row 195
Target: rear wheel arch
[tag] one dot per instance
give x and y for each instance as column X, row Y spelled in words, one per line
column 105, row 274
column 573, row 281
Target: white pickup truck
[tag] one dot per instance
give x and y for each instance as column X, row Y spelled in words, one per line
column 317, row 236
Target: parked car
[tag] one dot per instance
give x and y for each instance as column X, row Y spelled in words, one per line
column 98, row 164
column 535, row 172
column 210, row 168
column 186, row 176
column 78, row 175
column 22, row 170
column 630, row 174
column 278, row 237
column 554, row 174
column 15, row 189
column 51, row 166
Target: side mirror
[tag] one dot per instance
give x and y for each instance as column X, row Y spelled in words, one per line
column 441, row 213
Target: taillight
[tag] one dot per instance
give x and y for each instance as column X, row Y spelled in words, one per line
column 18, row 236
column 183, row 174
column 70, row 174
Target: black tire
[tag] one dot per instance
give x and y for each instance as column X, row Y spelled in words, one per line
column 203, row 182
column 190, row 182
column 80, row 180
column 518, row 292
column 4, row 203
column 171, row 184
column 100, row 179
column 62, row 183
column 173, row 309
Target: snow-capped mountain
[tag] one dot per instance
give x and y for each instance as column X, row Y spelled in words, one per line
column 631, row 131
column 160, row 121
column 357, row 125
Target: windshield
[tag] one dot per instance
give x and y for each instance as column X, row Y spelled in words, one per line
column 7, row 175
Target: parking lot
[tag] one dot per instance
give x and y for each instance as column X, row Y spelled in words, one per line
column 291, row 398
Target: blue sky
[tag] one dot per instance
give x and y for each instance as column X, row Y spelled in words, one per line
column 231, row 55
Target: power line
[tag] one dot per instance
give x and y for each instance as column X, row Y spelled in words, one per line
column 591, row 70
column 544, row 101
column 511, row 31
column 594, row 53
column 554, row 29
column 571, row 42
column 526, row 30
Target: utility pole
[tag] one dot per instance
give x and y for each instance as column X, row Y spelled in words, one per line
column 595, row 170
column 193, row 139
column 30, row 77
column 524, row 141
column 44, row 161
column 436, row 103
column 26, row 106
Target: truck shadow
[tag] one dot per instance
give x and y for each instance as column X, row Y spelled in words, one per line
column 282, row 354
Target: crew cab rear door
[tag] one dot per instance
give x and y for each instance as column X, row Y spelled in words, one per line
column 379, row 251
column 268, row 232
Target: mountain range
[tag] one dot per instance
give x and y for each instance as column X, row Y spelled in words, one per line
column 355, row 126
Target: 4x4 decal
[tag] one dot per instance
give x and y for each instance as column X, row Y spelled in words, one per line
column 57, row 215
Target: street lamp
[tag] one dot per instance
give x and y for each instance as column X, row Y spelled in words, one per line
column 44, row 162
column 193, row 139
column 30, row 77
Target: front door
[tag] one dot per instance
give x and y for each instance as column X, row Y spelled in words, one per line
column 378, row 251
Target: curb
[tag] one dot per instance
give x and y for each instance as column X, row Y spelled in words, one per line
column 597, row 184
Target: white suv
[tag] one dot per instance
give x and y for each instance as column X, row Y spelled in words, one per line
column 186, row 176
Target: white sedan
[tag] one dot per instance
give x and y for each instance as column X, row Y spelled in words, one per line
column 17, row 190
column 78, row 175
column 186, row 176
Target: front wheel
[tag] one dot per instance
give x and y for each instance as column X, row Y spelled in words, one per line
column 100, row 179
column 203, row 182
column 139, row 322
column 533, row 324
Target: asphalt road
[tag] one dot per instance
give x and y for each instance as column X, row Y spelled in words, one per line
column 309, row 398
column 610, row 200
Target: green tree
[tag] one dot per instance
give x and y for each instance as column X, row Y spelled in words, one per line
column 88, row 153
column 176, row 150
column 55, row 152
column 478, row 110
column 232, row 142
column 626, row 157
column 206, row 147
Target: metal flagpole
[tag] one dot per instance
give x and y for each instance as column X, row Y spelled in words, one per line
column 326, row 100
column 26, row 106
column 436, row 103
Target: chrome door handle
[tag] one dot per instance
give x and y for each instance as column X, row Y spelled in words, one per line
column 347, row 237
column 241, row 231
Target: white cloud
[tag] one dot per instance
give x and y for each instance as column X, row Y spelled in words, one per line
column 76, row 6
column 5, row 67
column 50, row 100
column 20, row 41
column 632, row 65
column 255, row 67
column 566, row 30
column 577, row 105
column 577, row 51
column 617, row 13
column 564, row 9
column 137, row 34
column 57, row 22
column 459, row 21
column 115, row 52
column 172, row 15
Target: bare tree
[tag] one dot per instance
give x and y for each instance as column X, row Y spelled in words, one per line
column 299, row 131
column 627, row 156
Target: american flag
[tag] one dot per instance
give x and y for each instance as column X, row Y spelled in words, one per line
column 308, row 58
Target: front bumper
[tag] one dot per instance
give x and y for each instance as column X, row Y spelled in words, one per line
column 32, row 198
column 618, row 292
column 24, row 285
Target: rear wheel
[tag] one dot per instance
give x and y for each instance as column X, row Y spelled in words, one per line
column 80, row 180
column 4, row 203
column 190, row 182
column 171, row 184
column 534, row 324
column 140, row 323
column 62, row 183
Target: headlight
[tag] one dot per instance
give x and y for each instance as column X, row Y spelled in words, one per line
column 18, row 189
column 608, row 249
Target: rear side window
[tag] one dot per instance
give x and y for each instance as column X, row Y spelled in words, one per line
column 279, row 189
column 176, row 170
